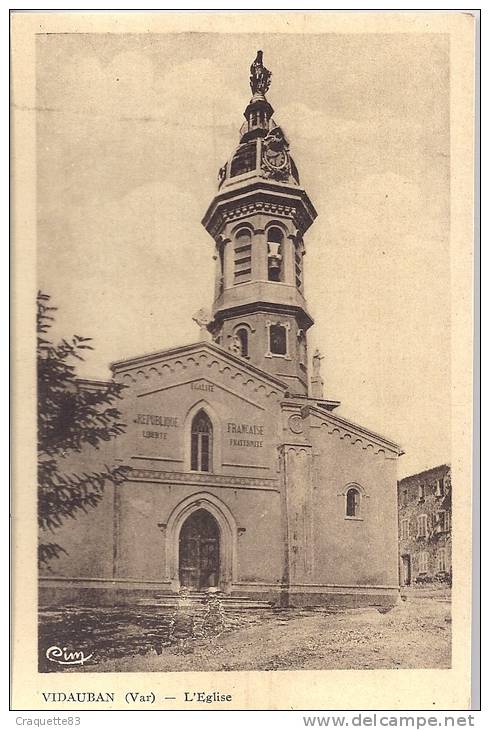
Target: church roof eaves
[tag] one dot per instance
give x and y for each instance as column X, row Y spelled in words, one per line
column 391, row 445
column 323, row 403
column 150, row 358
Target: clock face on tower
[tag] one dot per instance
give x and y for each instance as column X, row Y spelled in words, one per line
column 277, row 159
column 275, row 156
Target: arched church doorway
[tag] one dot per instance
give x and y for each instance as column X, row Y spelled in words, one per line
column 199, row 551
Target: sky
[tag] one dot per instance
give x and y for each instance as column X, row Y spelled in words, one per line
column 131, row 132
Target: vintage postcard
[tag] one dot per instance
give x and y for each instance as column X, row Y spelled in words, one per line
column 243, row 288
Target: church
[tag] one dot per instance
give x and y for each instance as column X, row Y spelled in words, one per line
column 243, row 477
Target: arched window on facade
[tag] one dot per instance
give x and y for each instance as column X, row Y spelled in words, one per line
column 278, row 340
column 244, row 159
column 352, row 502
column 201, row 442
column 242, row 256
column 221, row 274
column 423, row 562
column 302, row 354
column 298, row 264
column 422, row 526
column 242, row 335
column 275, row 238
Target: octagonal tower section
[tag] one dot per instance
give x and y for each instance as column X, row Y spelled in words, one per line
column 258, row 219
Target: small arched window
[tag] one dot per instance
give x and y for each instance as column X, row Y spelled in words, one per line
column 201, row 442
column 221, row 273
column 275, row 239
column 242, row 335
column 243, row 256
column 298, row 265
column 352, row 502
column 244, row 159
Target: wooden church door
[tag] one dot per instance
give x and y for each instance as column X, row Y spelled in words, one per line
column 199, row 551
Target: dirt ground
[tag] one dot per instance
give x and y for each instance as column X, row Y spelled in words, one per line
column 415, row 634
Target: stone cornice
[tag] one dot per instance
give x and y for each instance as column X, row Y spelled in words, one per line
column 295, row 448
column 194, row 478
column 308, row 401
column 89, row 384
column 221, row 312
column 259, row 197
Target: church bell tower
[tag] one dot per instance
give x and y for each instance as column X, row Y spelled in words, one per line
column 258, row 219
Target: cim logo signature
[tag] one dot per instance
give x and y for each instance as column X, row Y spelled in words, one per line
column 63, row 656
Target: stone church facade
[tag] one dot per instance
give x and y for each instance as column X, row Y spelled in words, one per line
column 243, row 477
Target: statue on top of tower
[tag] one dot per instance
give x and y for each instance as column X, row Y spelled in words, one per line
column 317, row 380
column 260, row 76
column 202, row 318
column 317, row 362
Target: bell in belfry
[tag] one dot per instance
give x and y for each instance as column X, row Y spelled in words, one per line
column 274, row 258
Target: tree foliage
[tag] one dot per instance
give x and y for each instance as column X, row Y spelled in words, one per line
column 71, row 415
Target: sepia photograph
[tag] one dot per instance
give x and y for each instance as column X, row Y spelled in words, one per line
column 245, row 376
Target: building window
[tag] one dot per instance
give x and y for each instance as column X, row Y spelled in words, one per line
column 443, row 521
column 352, row 502
column 422, row 526
column 298, row 265
column 242, row 335
column 421, row 492
column 221, row 259
column 440, row 488
column 201, row 442
column 243, row 256
column 278, row 339
column 405, row 529
column 423, row 562
column 302, row 353
column 245, row 159
column 275, row 239
column 442, row 560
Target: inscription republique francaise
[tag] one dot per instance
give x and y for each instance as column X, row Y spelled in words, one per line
column 248, row 429
column 150, row 419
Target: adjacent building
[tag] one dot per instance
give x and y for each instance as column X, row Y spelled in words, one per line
column 424, row 522
column 243, row 476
